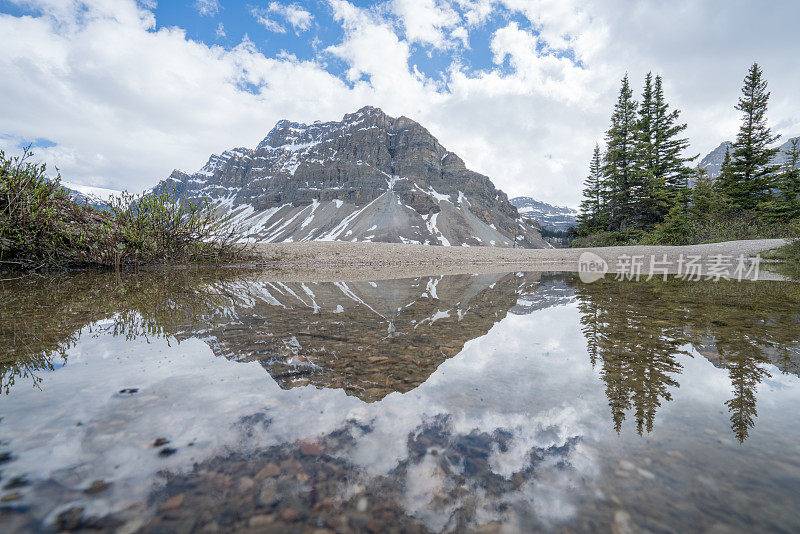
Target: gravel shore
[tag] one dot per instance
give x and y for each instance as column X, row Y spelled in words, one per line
column 333, row 260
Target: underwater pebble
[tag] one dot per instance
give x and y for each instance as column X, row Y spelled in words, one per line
column 173, row 503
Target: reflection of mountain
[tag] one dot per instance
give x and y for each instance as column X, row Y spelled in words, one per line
column 552, row 291
column 374, row 338
column 368, row 338
column 635, row 332
column 511, row 433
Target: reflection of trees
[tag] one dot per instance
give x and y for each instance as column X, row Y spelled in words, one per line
column 637, row 354
column 635, row 330
column 744, row 364
column 41, row 318
column 750, row 325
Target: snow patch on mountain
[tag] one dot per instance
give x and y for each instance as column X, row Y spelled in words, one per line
column 547, row 215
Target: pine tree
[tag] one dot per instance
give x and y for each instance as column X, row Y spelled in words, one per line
column 590, row 218
column 671, row 167
column 786, row 205
column 649, row 196
column 751, row 170
column 619, row 165
column 726, row 171
column 707, row 201
column 660, row 162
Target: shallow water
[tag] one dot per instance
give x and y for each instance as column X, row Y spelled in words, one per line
column 519, row 402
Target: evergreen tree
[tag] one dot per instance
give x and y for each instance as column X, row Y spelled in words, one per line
column 751, row 171
column 660, row 161
column 707, row 202
column 619, row 163
column 786, row 205
column 671, row 167
column 726, row 171
column 649, row 198
column 590, row 218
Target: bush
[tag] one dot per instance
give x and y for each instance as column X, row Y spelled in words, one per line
column 688, row 229
column 41, row 225
column 39, row 222
column 156, row 228
column 677, row 229
column 607, row 239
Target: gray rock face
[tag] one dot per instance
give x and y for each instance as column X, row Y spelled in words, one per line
column 370, row 177
column 549, row 216
column 712, row 162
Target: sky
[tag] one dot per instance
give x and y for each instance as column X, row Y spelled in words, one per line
column 118, row 93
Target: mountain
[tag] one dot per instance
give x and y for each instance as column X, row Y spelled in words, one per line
column 712, row 162
column 98, row 197
column 370, row 177
column 549, row 216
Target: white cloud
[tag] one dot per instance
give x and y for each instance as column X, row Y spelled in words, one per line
column 207, row 8
column 476, row 12
column 126, row 103
column 262, row 16
column 297, row 17
column 430, row 22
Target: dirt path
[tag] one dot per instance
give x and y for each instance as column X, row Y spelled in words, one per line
column 395, row 260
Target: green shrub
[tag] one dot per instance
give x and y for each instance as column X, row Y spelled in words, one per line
column 677, row 229
column 41, row 225
column 689, row 229
column 607, row 239
column 157, row 227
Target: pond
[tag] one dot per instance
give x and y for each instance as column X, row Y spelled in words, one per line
column 236, row 401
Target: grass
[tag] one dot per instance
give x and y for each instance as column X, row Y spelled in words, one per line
column 42, row 226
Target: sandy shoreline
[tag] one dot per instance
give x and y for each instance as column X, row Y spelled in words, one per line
column 339, row 260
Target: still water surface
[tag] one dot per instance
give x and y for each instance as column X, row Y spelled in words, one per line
column 505, row 402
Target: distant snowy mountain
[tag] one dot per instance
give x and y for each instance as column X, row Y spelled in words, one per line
column 712, row 162
column 549, row 216
column 94, row 196
column 97, row 197
column 369, row 177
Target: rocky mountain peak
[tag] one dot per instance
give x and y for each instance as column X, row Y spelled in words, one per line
column 712, row 162
column 369, row 177
column 549, row 216
column 366, row 113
